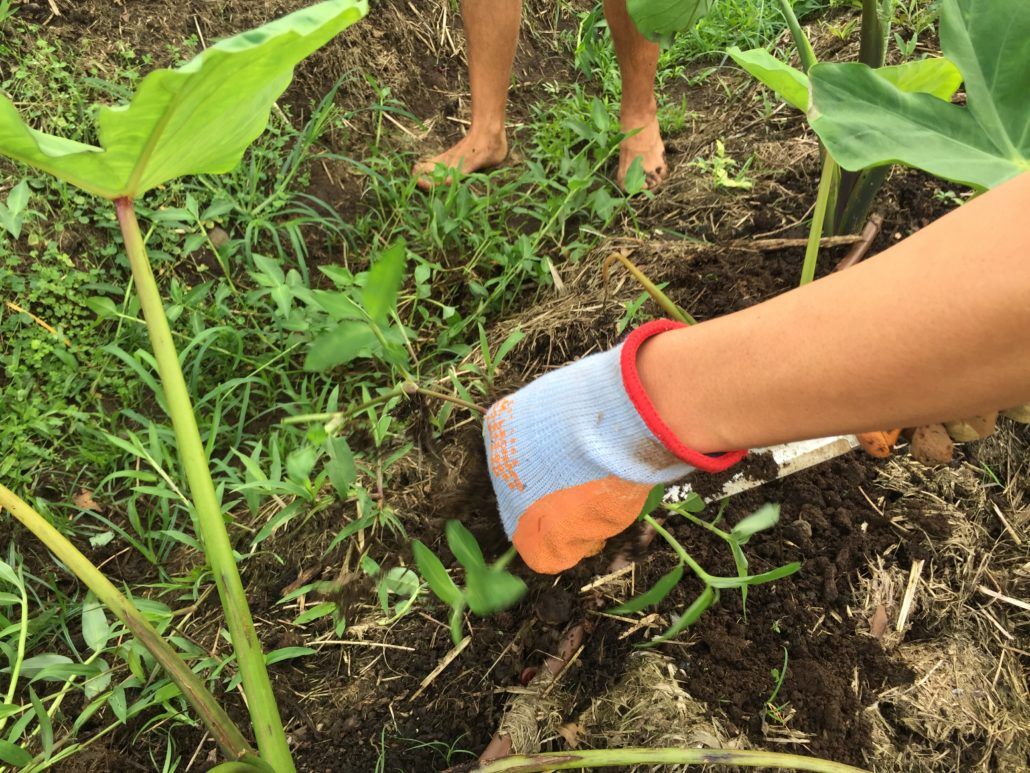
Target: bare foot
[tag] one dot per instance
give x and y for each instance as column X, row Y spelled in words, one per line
column 646, row 145
column 470, row 154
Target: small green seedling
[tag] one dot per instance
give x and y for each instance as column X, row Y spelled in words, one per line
column 762, row 519
column 778, row 711
column 488, row 588
column 15, row 212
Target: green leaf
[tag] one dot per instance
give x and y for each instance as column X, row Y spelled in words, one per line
column 936, row 76
column 740, row 561
column 340, row 345
column 14, row 755
column 789, row 83
column 654, row 498
column 46, row 728
column 196, row 119
column 658, row 591
column 865, row 120
column 488, row 591
column 340, row 467
column 753, row 579
column 660, row 20
column 316, row 612
column 464, row 546
column 692, row 614
column 287, row 653
column 379, row 295
column 435, row 575
column 763, row 518
column 95, row 628
column 300, row 462
column 7, row 574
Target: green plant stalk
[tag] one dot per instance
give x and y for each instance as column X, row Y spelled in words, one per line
column 23, row 632
column 830, row 170
column 685, row 557
column 664, row 301
column 805, row 51
column 604, row 758
column 228, row 737
column 264, row 713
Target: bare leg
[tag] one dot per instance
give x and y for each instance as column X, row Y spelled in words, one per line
column 492, row 30
column 638, row 60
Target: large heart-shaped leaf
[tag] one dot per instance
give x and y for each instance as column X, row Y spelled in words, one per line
column 936, row 76
column 866, row 121
column 196, row 119
column 659, row 20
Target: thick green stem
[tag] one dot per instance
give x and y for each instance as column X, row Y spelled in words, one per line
column 226, row 734
column 605, row 758
column 805, row 51
column 830, row 170
column 264, row 714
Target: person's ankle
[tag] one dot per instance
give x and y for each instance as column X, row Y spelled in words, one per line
column 635, row 116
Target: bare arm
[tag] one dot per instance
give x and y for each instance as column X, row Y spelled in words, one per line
column 935, row 328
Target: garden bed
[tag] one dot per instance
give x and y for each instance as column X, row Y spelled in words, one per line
column 936, row 682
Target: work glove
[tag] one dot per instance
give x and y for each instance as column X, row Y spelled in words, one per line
column 574, row 454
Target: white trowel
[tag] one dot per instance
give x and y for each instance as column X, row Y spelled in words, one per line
column 791, row 458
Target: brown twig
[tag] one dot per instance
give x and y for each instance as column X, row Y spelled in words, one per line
column 865, row 241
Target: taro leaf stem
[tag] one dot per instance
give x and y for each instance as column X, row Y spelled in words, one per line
column 663, row 300
column 226, row 734
column 829, row 173
column 264, row 714
column 805, row 51
column 604, row 758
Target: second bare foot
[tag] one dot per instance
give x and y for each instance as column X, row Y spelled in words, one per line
column 646, row 145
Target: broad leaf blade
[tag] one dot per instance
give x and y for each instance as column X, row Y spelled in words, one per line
column 937, row 76
column 989, row 40
column 384, row 282
column 865, row 120
column 654, row 498
column 196, row 119
column 692, row 614
column 789, row 83
column 464, row 546
column 339, row 346
column 658, row 591
column 488, row 591
column 763, row 518
column 435, row 575
column 660, row 20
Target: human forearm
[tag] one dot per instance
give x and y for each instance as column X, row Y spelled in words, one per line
column 935, row 328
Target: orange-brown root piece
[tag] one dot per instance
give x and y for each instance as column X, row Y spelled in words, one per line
column 879, row 443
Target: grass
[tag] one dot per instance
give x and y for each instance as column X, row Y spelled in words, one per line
column 252, row 263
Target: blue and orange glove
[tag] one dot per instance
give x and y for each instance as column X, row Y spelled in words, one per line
column 574, row 454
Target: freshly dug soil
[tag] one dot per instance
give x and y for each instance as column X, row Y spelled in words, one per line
column 360, row 705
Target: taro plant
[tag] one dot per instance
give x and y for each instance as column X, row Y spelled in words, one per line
column 867, row 120
column 489, row 588
column 197, row 119
column 764, row 518
column 844, row 198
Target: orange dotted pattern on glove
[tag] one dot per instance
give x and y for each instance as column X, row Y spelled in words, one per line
column 503, row 459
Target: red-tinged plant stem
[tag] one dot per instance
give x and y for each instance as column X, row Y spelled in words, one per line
column 604, row 758
column 222, row 729
column 264, row 713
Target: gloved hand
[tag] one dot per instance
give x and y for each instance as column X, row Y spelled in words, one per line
column 574, row 454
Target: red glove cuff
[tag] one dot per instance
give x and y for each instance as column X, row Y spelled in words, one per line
column 646, row 409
